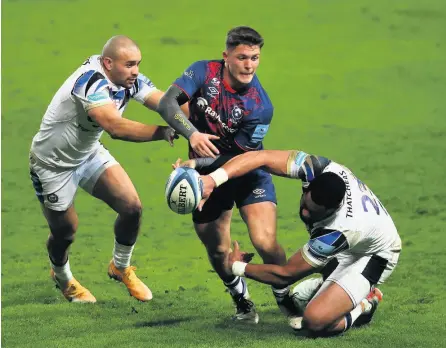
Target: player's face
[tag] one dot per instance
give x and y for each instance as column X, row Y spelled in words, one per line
column 125, row 68
column 312, row 212
column 242, row 62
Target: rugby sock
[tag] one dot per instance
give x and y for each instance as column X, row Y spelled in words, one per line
column 122, row 255
column 238, row 286
column 63, row 273
column 351, row 317
column 280, row 294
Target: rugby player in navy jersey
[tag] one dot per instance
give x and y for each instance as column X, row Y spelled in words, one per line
column 230, row 113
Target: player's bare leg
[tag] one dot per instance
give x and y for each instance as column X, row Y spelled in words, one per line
column 216, row 238
column 63, row 226
column 261, row 221
column 115, row 188
column 332, row 311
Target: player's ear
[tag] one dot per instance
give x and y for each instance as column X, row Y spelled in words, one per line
column 107, row 62
column 225, row 55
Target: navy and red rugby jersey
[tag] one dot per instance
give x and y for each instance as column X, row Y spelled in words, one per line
column 240, row 118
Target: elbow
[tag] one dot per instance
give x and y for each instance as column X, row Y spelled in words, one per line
column 114, row 136
column 288, row 276
column 286, row 280
column 114, row 132
column 281, row 282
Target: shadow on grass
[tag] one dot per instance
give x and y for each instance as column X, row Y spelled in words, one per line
column 164, row 322
column 272, row 323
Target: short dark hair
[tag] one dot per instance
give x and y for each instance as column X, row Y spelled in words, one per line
column 328, row 190
column 243, row 36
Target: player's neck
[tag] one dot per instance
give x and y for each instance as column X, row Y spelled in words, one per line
column 232, row 82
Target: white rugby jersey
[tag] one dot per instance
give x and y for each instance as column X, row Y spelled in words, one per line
column 361, row 226
column 67, row 135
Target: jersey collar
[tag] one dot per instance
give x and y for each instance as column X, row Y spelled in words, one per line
column 228, row 87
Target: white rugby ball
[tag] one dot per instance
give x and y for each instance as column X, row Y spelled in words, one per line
column 184, row 189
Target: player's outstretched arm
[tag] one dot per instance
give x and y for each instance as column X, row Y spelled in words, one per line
column 295, row 269
column 108, row 118
column 153, row 99
column 170, row 111
column 273, row 161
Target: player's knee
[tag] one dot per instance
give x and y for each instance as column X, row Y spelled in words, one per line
column 65, row 230
column 64, row 239
column 314, row 321
column 217, row 252
column 132, row 209
column 265, row 244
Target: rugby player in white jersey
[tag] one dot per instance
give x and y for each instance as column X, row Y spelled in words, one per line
column 66, row 153
column 353, row 241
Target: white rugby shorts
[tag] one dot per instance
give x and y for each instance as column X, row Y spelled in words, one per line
column 356, row 273
column 56, row 187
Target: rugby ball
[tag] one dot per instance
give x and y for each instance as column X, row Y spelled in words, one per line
column 184, row 189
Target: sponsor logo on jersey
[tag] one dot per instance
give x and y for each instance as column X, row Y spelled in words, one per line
column 348, row 194
column 97, row 97
column 212, row 92
column 202, row 103
column 189, row 74
column 215, row 116
column 236, row 114
column 259, row 133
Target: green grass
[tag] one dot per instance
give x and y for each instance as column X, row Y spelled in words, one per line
column 361, row 82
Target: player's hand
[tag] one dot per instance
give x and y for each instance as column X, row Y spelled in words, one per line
column 201, row 144
column 189, row 163
column 208, row 187
column 169, row 135
column 238, row 255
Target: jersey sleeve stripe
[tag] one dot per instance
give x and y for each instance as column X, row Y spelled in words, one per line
column 136, row 85
column 81, row 81
column 311, row 260
column 95, row 77
column 309, row 171
column 100, row 85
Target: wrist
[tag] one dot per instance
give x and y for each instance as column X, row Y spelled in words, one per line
column 238, row 268
column 219, row 176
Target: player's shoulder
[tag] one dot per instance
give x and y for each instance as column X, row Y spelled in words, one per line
column 325, row 242
column 91, row 63
column 333, row 167
column 205, row 64
column 263, row 94
column 141, row 81
column 90, row 77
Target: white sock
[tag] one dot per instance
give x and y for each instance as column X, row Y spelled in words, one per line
column 63, row 273
column 238, row 287
column 122, row 255
column 351, row 317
